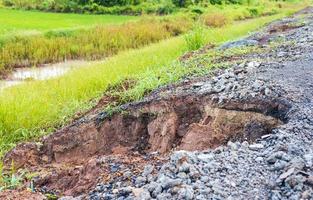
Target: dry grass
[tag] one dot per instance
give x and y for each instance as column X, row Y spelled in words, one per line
column 215, row 20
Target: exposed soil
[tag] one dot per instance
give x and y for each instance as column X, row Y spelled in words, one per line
column 251, row 102
column 68, row 160
column 21, row 195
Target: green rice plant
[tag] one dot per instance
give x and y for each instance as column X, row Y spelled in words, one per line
column 20, row 21
column 95, row 43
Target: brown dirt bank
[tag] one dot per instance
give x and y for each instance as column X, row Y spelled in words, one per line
column 74, row 159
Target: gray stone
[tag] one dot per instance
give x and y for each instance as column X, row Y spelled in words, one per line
column 205, row 157
column 308, row 160
column 297, row 163
column 157, row 191
column 239, row 43
column 204, row 179
column 259, row 159
column 256, row 147
column 279, row 165
column 186, row 193
column 267, row 92
column 147, row 170
column 286, row 174
column 252, row 66
column 185, row 167
column 141, row 180
column 145, row 195
column 277, row 156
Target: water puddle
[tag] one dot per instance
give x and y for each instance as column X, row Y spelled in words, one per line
column 43, row 72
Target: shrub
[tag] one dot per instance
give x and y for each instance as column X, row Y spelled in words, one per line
column 8, row 3
column 254, row 12
column 197, row 9
column 182, row 3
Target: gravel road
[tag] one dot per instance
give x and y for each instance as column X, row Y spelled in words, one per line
column 278, row 165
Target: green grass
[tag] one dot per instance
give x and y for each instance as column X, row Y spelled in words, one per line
column 94, row 43
column 28, row 22
column 103, row 41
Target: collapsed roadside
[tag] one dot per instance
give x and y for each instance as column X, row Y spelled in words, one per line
column 262, row 98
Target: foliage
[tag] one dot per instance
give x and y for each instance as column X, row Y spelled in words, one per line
column 195, row 39
column 20, row 22
column 128, row 7
column 12, row 180
column 94, row 43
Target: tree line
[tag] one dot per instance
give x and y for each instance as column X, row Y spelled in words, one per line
column 128, row 7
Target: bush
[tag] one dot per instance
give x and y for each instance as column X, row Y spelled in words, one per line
column 182, row 3
column 197, row 9
column 254, row 12
column 8, row 3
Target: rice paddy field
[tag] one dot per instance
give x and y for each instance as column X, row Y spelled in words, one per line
column 34, row 22
column 145, row 51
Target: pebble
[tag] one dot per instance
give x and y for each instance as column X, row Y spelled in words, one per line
column 256, row 147
column 148, row 170
column 186, row 193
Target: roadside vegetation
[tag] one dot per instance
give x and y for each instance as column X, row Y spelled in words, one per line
column 94, row 43
column 28, row 48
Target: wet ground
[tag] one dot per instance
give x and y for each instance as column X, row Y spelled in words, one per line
column 44, row 72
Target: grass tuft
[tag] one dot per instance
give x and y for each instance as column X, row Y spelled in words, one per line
column 196, row 38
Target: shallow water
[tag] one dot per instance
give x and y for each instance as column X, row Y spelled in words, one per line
column 43, row 72
column 46, row 71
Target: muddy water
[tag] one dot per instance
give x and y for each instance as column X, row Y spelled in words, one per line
column 43, row 72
